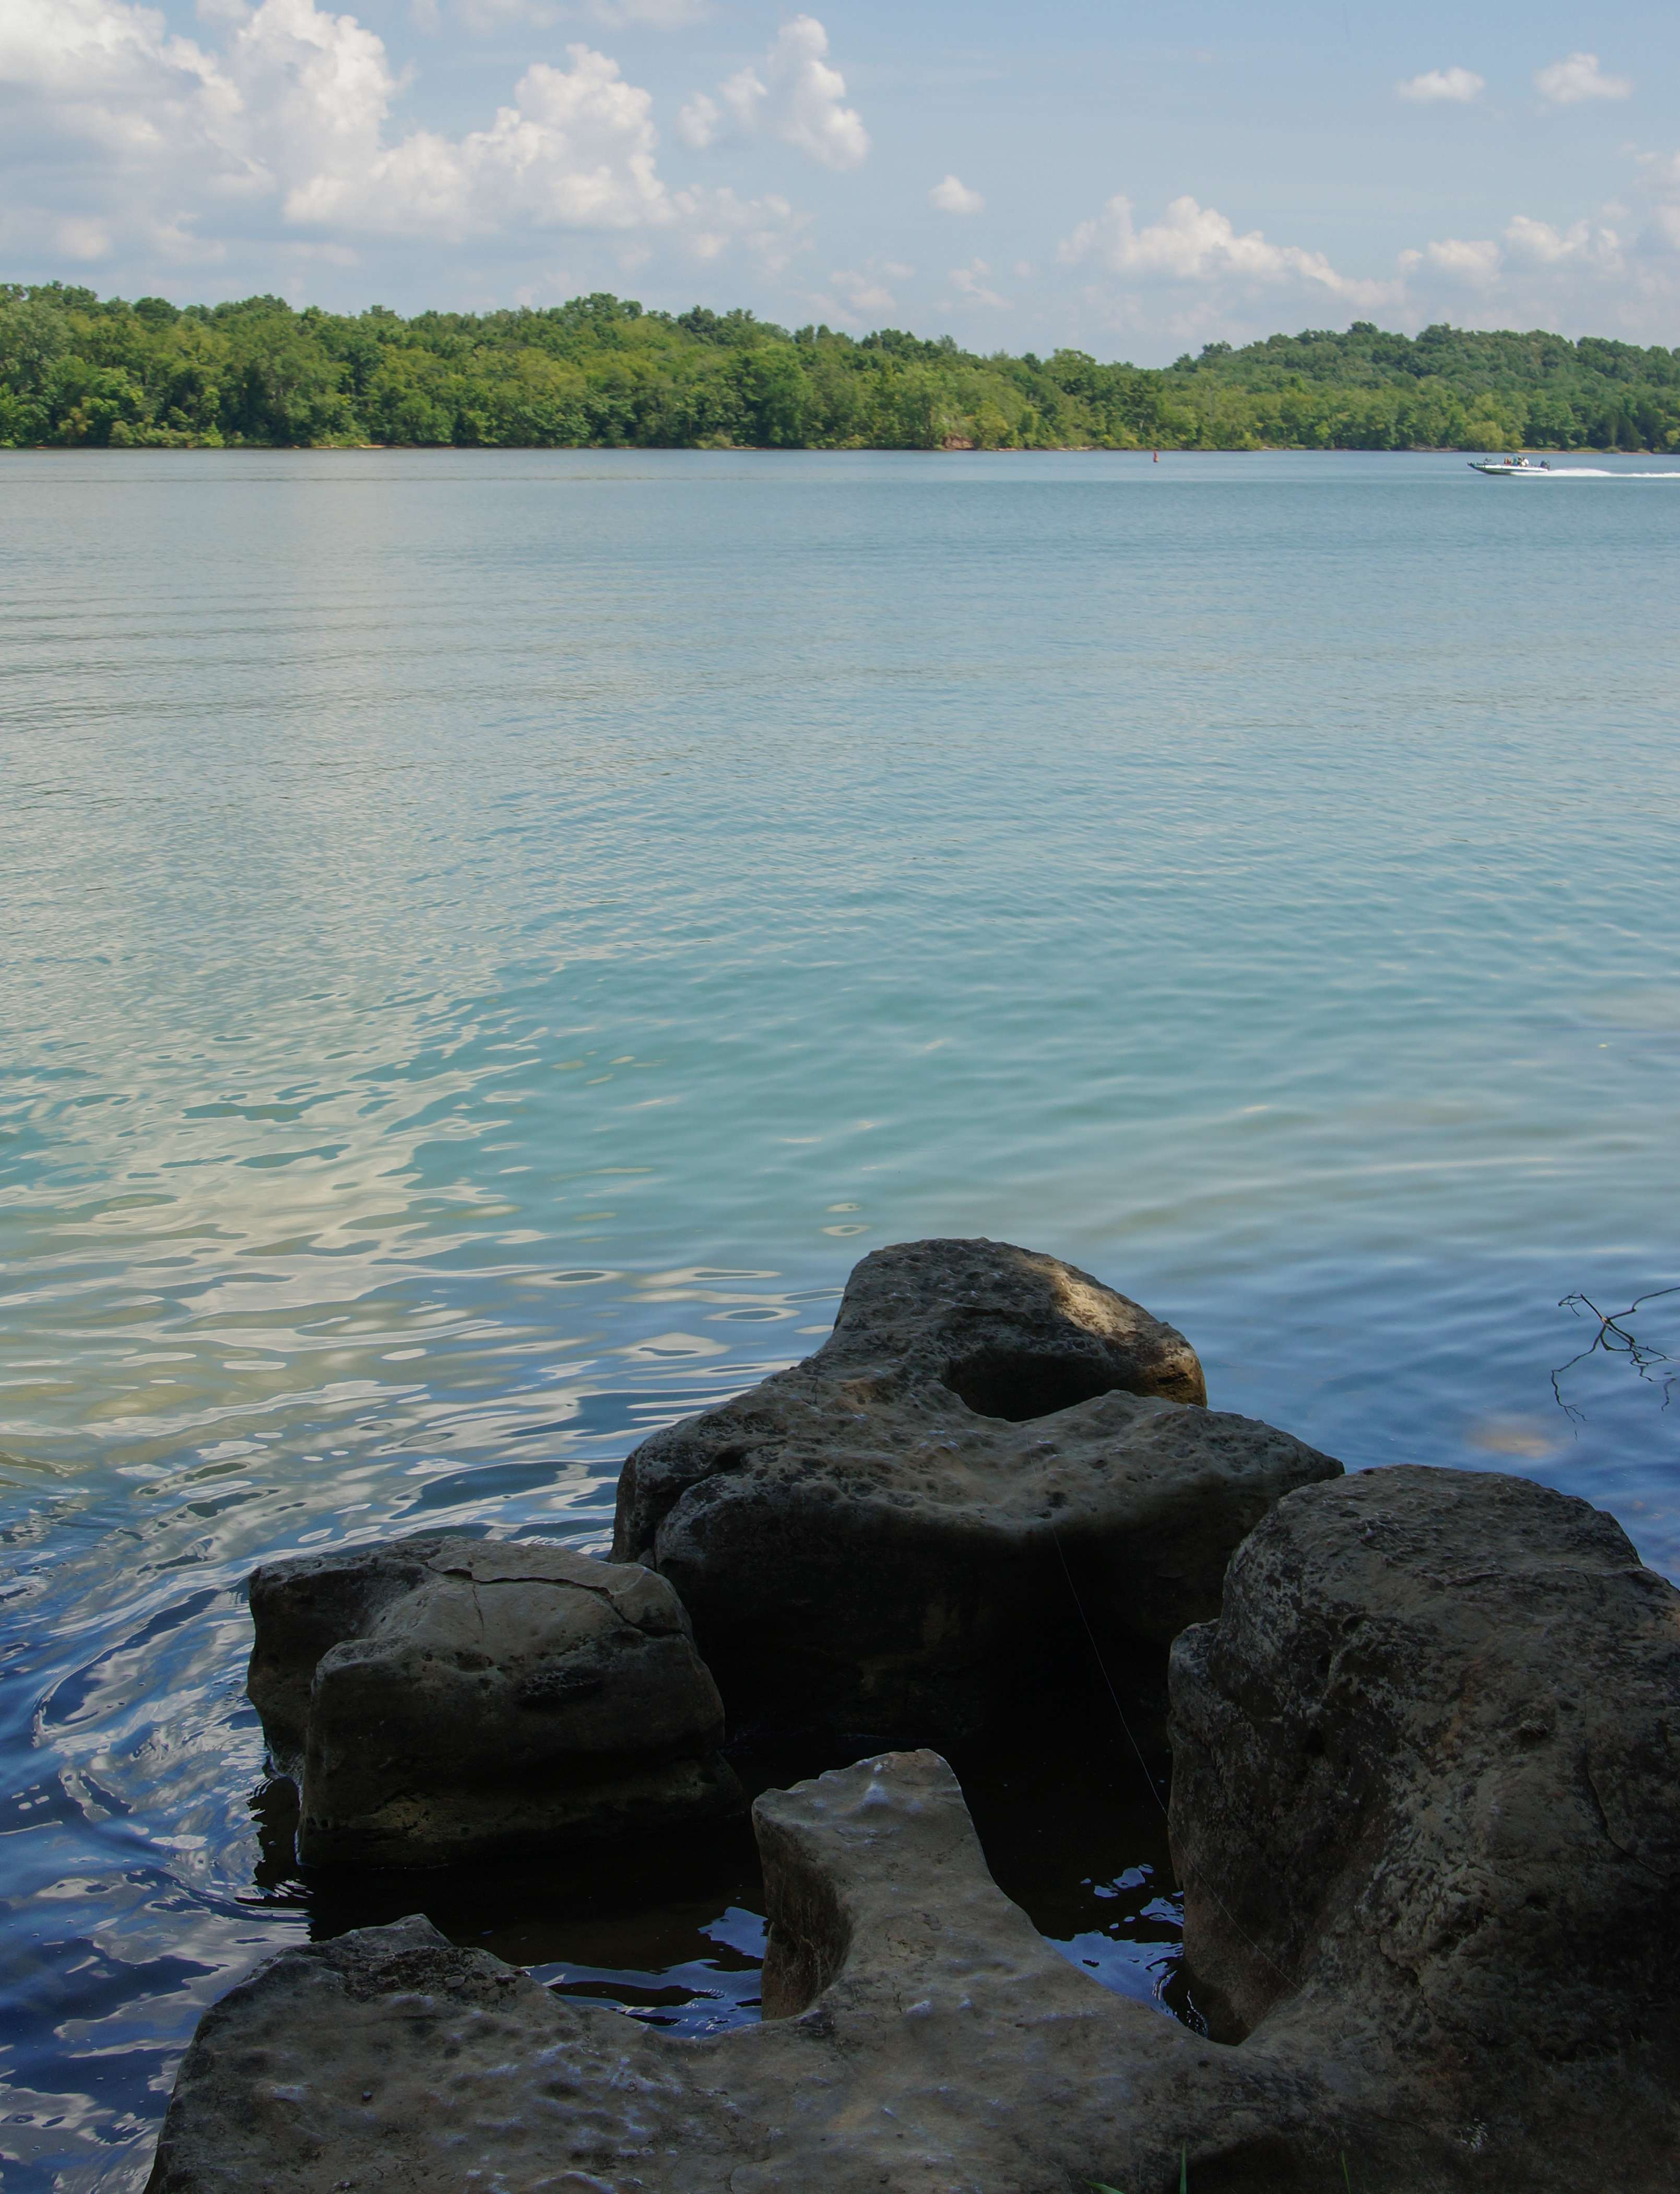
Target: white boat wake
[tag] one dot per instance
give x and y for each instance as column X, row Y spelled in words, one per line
column 1578, row 471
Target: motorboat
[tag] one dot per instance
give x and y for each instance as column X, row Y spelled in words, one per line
column 1508, row 467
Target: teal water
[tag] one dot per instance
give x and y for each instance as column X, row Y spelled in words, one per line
column 491, row 938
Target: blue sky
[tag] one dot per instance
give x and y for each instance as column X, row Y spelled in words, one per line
column 1113, row 176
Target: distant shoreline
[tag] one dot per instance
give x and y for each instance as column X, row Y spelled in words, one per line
column 77, row 371
column 761, row 449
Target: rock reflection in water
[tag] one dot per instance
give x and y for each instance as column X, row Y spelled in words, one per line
column 1073, row 1829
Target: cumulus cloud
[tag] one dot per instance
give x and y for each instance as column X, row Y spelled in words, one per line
column 1587, row 274
column 793, row 95
column 699, row 121
column 859, row 294
column 1457, row 86
column 287, row 126
column 1474, row 264
column 1585, row 243
column 1578, row 76
column 1196, row 244
column 862, row 292
column 575, row 149
column 952, row 196
column 973, row 283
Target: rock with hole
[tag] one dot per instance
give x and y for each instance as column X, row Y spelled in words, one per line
column 911, row 1531
column 442, row 1699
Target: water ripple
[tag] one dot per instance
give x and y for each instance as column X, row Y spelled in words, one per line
column 491, row 940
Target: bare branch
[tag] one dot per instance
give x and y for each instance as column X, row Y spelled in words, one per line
column 1616, row 1339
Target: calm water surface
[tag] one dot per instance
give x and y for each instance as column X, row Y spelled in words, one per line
column 491, row 938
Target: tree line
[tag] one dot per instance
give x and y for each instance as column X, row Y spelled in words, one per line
column 78, row 371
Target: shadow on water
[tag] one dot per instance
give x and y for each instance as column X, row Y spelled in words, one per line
column 673, row 1931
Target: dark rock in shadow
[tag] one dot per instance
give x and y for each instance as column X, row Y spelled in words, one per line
column 1426, row 1797
column 440, row 1698
column 909, row 1531
column 1429, row 1817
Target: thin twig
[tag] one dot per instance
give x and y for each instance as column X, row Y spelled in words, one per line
column 1615, row 1339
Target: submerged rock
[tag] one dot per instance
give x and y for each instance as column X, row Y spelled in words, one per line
column 1426, row 1797
column 909, row 1531
column 438, row 1699
column 920, row 2035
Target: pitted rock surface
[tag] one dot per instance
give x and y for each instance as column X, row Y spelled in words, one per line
column 926, row 2039
column 440, row 1697
column 1427, row 1779
column 906, row 1533
column 1426, row 1798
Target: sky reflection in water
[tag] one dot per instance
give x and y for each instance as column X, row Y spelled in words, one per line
column 490, row 939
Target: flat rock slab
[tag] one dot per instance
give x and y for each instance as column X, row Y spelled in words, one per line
column 1436, row 1714
column 907, row 1532
column 929, row 2039
column 438, row 1699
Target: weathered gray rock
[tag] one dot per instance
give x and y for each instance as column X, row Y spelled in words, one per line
column 1427, row 1802
column 888, row 1536
column 928, row 2039
column 438, row 1699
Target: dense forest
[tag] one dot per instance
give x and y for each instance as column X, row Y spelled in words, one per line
column 81, row 372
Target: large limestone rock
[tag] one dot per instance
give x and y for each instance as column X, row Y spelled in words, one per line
column 440, row 1698
column 921, row 2036
column 890, row 1537
column 1426, row 1798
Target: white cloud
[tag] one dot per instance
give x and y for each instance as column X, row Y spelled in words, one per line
column 971, row 282
column 1662, row 173
column 1458, row 86
column 793, row 93
column 862, row 293
column 576, row 149
column 1576, row 77
column 171, row 148
column 1585, row 243
column 698, row 122
column 859, row 294
column 1194, row 242
column 1474, row 264
column 1586, row 276
column 81, row 240
column 952, row 196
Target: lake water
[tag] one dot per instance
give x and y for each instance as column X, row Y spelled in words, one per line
column 491, row 938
